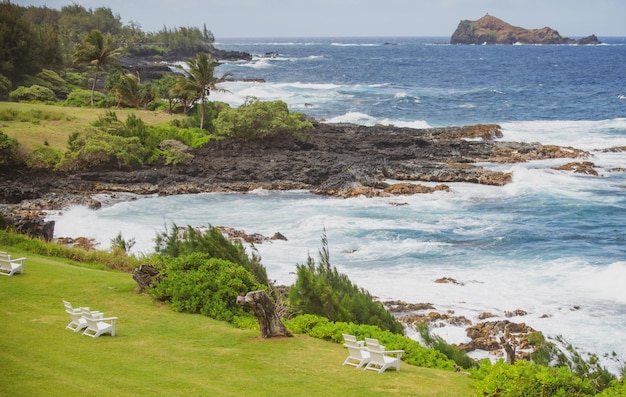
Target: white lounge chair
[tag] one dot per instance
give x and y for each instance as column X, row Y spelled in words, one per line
column 68, row 306
column 373, row 344
column 100, row 326
column 78, row 322
column 8, row 266
column 381, row 360
column 357, row 355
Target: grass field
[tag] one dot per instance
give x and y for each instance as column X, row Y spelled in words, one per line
column 58, row 122
column 158, row 352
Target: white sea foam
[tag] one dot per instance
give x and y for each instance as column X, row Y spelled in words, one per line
column 582, row 134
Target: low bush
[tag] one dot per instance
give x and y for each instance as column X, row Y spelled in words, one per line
column 82, row 98
column 32, row 93
column 414, row 353
column 198, row 283
column 44, row 157
column 260, row 119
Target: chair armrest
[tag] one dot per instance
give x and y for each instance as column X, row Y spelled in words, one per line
column 112, row 319
column 397, row 352
column 21, row 260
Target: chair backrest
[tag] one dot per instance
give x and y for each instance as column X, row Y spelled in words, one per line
column 377, row 356
column 68, row 306
column 76, row 316
column 356, row 352
column 373, row 344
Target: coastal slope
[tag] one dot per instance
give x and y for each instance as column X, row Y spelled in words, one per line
column 492, row 30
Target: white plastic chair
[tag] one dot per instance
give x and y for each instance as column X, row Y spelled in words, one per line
column 8, row 266
column 373, row 344
column 99, row 326
column 381, row 360
column 77, row 322
column 357, row 355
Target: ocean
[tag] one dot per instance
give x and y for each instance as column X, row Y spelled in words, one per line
column 551, row 243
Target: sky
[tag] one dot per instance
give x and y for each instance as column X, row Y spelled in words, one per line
column 358, row 18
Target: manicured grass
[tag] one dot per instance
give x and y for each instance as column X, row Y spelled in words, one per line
column 56, row 130
column 158, row 352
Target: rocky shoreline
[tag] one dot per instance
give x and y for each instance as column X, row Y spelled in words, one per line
column 341, row 160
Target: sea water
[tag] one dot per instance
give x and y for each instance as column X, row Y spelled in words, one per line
column 551, row 243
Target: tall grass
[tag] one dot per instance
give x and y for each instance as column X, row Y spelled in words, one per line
column 158, row 352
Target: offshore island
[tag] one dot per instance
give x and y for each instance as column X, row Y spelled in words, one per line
column 492, row 30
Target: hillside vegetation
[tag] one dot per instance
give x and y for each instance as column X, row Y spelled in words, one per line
column 157, row 351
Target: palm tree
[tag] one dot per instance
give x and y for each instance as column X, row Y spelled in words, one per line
column 96, row 50
column 201, row 79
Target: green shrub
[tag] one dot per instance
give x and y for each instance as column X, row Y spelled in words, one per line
column 32, row 93
column 197, row 283
column 322, row 290
column 259, row 119
column 8, row 150
column 44, row 157
column 185, row 241
column 94, row 148
column 414, row 353
column 525, row 378
column 5, row 87
column 82, row 98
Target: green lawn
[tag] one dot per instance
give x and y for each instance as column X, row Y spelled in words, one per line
column 158, row 352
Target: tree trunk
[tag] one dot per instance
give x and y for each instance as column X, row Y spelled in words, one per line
column 146, row 276
column 265, row 312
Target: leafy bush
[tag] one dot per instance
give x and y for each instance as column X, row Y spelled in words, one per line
column 525, row 378
column 82, row 98
column 32, row 93
column 323, row 291
column 185, row 241
column 44, row 157
column 8, row 150
column 197, row 283
column 175, row 152
column 414, row 353
column 5, row 87
column 259, row 119
column 94, row 148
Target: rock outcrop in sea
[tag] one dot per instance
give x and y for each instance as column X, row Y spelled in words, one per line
column 492, row 30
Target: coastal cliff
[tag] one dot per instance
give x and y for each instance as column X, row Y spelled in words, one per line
column 492, row 30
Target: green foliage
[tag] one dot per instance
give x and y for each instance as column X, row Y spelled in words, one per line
column 82, row 98
column 323, row 291
column 94, row 148
column 198, row 82
column 198, row 283
column 120, row 243
column 115, row 260
column 185, row 241
column 33, row 115
column 175, row 152
column 187, row 39
column 259, row 119
column 5, row 87
column 32, row 93
column 44, row 157
column 438, row 343
column 414, row 353
column 96, row 49
column 8, row 150
column 525, row 378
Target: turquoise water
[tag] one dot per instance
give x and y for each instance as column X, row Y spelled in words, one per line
column 550, row 243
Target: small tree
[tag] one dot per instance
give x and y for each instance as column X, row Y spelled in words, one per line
column 322, row 290
column 200, row 80
column 96, row 49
